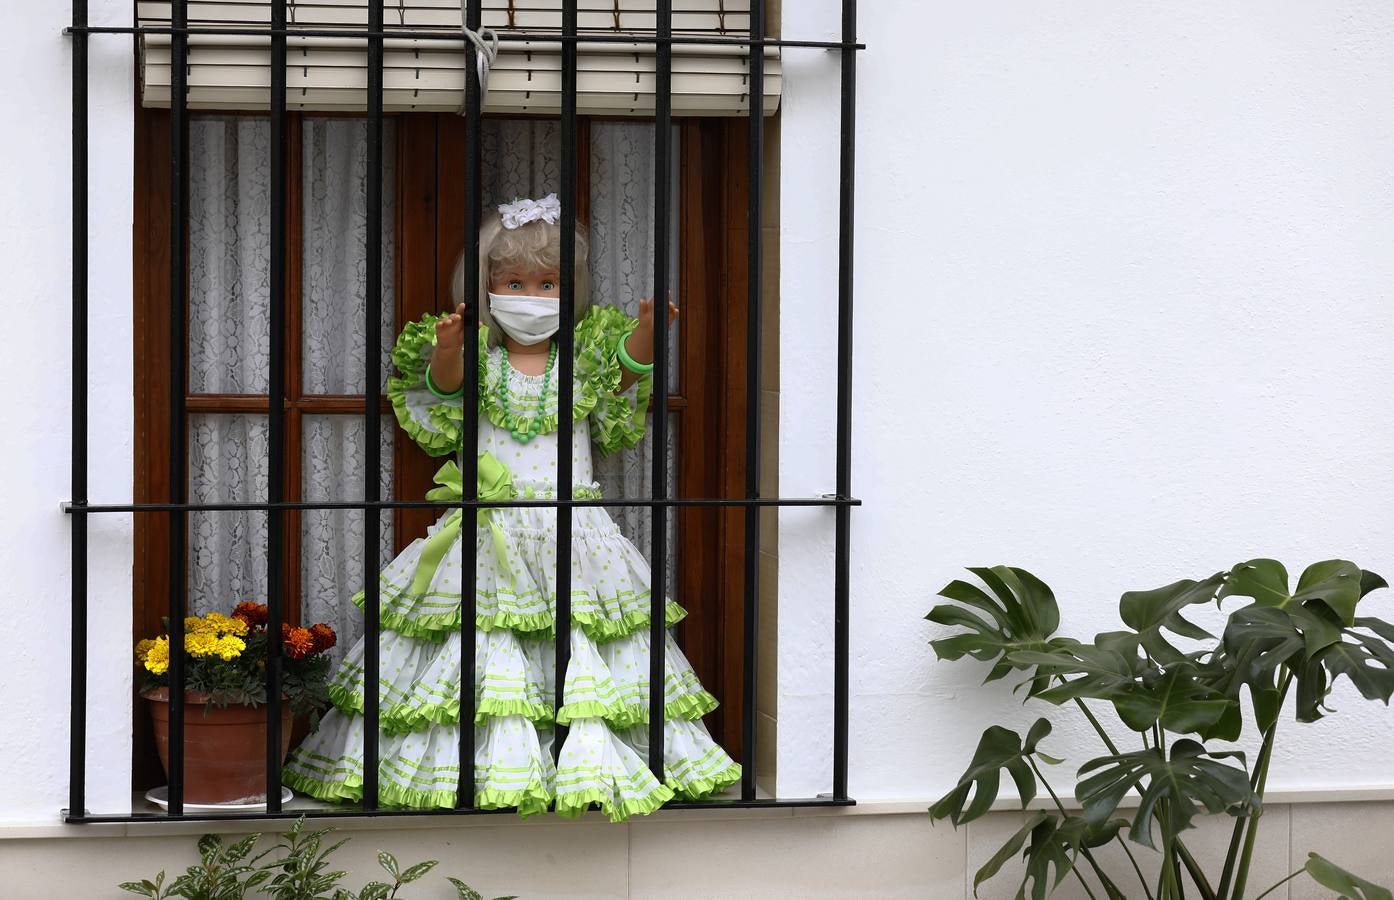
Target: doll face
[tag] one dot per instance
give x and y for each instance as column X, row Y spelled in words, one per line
column 545, row 283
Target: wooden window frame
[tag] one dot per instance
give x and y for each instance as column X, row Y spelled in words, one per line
column 710, row 403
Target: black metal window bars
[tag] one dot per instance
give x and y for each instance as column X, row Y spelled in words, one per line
column 178, row 506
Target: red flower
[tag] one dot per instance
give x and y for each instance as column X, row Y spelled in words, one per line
column 299, row 643
column 254, row 614
column 324, row 637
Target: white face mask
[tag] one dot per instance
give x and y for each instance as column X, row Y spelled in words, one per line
column 528, row 320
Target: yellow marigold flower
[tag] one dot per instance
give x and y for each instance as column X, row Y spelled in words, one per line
column 143, row 650
column 198, row 625
column 157, row 657
column 229, row 647
column 222, row 624
column 201, row 643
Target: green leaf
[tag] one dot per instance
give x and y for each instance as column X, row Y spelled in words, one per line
column 143, row 888
column 1008, row 850
column 238, row 851
column 1191, row 780
column 418, row 870
column 1350, row 887
column 1367, row 661
column 375, row 890
column 1335, row 583
column 998, row 749
column 1264, row 580
column 464, row 891
column 388, row 862
column 1021, row 614
column 209, row 846
column 1181, row 702
column 1150, row 613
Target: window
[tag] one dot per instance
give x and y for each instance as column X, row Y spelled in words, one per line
column 714, row 416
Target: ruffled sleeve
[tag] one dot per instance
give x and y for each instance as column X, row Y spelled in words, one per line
column 617, row 421
column 433, row 421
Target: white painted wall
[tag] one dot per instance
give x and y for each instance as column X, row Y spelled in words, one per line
column 1141, row 255
column 35, row 256
column 1124, row 290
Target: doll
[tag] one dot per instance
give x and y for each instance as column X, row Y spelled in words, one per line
column 606, row 692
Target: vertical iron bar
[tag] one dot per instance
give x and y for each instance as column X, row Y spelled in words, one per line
column 178, row 373
column 275, row 412
column 843, row 514
column 77, row 735
column 754, row 270
column 372, row 426
column 469, row 443
column 658, row 558
column 566, row 353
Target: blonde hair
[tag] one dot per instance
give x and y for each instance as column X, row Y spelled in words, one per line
column 533, row 247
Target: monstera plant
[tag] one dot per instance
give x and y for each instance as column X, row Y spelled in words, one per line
column 1178, row 689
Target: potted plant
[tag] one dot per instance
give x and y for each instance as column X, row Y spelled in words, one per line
column 224, row 688
column 1178, row 689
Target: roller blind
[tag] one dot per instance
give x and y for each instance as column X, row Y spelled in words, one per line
column 328, row 73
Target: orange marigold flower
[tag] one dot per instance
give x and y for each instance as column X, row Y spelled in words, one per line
column 252, row 613
column 324, row 637
column 300, row 643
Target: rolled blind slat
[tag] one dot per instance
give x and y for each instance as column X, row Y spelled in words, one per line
column 330, row 74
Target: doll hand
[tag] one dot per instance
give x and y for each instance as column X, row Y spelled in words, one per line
column 646, row 313
column 450, row 330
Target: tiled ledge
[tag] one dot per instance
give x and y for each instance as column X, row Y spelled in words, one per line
column 155, row 828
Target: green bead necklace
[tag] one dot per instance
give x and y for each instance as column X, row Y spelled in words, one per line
column 532, row 427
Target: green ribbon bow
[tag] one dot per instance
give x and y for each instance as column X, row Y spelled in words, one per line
column 495, row 483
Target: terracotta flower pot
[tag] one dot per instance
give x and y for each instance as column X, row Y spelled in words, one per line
column 224, row 748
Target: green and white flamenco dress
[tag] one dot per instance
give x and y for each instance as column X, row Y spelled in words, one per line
column 606, row 689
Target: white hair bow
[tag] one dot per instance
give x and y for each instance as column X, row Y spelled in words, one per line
column 521, row 212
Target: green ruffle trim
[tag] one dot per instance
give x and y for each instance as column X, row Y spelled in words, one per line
column 405, row 718
column 618, row 422
column 435, row 627
column 703, row 788
column 408, row 357
column 590, row 709
column 350, row 789
column 529, row 801
column 570, row 806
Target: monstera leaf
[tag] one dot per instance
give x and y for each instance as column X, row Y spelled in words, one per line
column 1348, row 886
column 1049, row 842
column 1020, row 614
column 999, row 748
column 1336, row 584
column 1153, row 613
column 1191, row 780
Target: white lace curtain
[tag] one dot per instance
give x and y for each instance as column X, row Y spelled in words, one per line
column 229, row 326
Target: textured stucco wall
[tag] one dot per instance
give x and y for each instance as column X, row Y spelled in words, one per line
column 35, row 242
column 1123, row 316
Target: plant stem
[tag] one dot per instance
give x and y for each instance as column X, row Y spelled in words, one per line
column 1197, row 873
column 1103, row 879
column 1280, row 884
column 1166, row 885
column 1247, row 826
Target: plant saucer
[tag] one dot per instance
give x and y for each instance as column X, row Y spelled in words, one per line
column 160, row 797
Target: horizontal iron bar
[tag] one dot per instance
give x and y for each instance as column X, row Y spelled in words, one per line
column 734, row 803
column 77, row 508
column 417, row 35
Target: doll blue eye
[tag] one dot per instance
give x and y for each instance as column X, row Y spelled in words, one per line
column 515, row 285
column 548, row 285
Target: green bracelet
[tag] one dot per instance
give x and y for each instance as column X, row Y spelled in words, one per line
column 431, row 386
column 627, row 361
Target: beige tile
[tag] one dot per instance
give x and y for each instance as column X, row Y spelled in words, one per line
column 1207, row 842
column 806, row 858
column 767, row 638
column 774, row 18
column 769, row 523
column 1358, row 837
column 766, row 752
column 578, row 859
